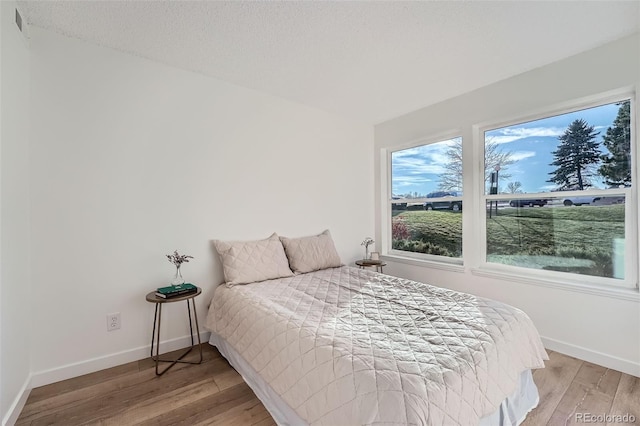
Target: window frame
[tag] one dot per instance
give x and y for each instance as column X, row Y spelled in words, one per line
column 479, row 262
column 436, row 261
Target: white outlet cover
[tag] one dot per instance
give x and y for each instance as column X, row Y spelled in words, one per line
column 113, row 321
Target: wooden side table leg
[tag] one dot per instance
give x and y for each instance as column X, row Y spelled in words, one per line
column 191, row 322
column 153, row 333
column 159, row 319
column 195, row 314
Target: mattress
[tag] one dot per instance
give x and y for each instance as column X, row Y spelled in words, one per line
column 350, row 346
column 511, row 412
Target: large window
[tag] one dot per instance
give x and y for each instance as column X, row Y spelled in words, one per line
column 559, row 196
column 426, row 201
column 551, row 197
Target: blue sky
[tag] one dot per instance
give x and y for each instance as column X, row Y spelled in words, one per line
column 531, row 144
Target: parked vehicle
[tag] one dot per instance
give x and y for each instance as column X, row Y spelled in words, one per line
column 415, row 206
column 593, row 200
column 453, row 205
column 530, row 203
column 397, row 205
column 606, row 201
column 578, row 201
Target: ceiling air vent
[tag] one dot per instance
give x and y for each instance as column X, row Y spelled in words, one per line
column 18, row 20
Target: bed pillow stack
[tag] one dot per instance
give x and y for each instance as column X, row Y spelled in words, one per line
column 244, row 262
column 308, row 254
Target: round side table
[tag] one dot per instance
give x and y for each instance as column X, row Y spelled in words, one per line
column 155, row 335
column 377, row 263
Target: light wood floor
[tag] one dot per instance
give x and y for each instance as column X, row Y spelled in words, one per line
column 569, row 387
column 212, row 393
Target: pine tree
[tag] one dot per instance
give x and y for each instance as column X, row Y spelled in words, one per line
column 577, row 152
column 616, row 167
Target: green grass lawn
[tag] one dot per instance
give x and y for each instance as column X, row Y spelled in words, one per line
column 432, row 232
column 585, row 237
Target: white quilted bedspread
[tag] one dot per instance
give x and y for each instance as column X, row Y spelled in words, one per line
column 344, row 346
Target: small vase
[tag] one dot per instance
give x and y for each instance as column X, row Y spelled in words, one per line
column 177, row 279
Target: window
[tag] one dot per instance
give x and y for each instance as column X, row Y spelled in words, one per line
column 558, row 197
column 426, row 200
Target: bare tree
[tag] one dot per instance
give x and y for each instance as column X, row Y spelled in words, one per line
column 451, row 179
column 494, row 158
column 514, row 187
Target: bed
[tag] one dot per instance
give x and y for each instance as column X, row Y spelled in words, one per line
column 344, row 346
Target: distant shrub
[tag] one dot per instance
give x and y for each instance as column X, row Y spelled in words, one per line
column 417, row 246
column 400, row 230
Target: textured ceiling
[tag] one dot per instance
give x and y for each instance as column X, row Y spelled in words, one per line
column 365, row 60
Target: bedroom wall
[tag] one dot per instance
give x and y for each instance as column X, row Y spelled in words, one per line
column 601, row 329
column 14, row 213
column 131, row 159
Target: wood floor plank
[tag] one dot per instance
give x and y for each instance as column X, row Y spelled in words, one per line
column 206, row 408
column 578, row 401
column 266, row 422
column 118, row 400
column 248, row 413
column 593, row 387
column 79, row 397
column 228, row 378
column 74, row 392
column 107, row 399
column 598, row 377
column 627, row 399
column 165, row 402
column 552, row 382
column 44, row 392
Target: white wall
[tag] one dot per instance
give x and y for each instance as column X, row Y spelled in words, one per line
column 131, row 159
column 601, row 329
column 15, row 295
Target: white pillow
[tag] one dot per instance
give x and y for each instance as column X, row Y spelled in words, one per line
column 313, row 253
column 244, row 262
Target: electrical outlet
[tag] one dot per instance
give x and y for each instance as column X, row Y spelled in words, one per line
column 113, row 321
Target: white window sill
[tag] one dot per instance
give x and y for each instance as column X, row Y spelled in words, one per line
column 622, row 293
column 455, row 265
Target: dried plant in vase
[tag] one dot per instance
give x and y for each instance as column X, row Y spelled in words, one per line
column 366, row 243
column 178, row 259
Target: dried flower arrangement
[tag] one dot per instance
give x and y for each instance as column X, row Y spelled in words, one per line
column 366, row 243
column 178, row 259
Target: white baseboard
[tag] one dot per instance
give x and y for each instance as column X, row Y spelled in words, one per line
column 45, row 377
column 595, row 357
column 18, row 404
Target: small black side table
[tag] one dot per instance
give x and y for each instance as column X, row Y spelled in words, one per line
column 155, row 335
column 377, row 263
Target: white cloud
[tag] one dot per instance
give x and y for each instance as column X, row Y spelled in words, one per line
column 410, row 152
column 422, row 159
column 521, row 155
column 415, row 166
column 547, row 188
column 409, row 180
column 511, row 134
